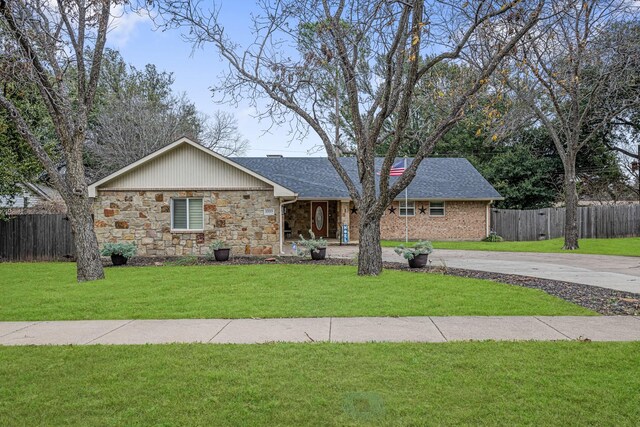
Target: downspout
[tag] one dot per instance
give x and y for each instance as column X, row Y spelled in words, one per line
column 282, row 222
column 488, row 218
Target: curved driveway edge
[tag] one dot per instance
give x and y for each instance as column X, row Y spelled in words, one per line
column 606, row 271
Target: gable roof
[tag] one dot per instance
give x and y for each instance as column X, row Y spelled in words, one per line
column 315, row 177
column 278, row 189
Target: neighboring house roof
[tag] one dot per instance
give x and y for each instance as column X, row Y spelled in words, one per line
column 31, row 195
column 315, row 177
column 186, row 150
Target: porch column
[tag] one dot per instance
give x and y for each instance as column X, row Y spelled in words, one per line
column 344, row 215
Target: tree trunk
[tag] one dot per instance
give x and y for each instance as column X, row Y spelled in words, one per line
column 571, row 206
column 88, row 263
column 369, row 249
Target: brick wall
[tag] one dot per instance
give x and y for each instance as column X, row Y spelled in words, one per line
column 144, row 217
column 462, row 221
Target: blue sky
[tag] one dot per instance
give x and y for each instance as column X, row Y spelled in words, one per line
column 196, row 71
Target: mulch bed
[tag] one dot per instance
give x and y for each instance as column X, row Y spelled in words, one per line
column 601, row 300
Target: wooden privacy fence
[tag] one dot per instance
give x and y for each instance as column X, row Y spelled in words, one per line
column 36, row 238
column 542, row 224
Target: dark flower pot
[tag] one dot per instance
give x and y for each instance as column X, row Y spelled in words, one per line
column 319, row 254
column 118, row 260
column 221, row 254
column 419, row 261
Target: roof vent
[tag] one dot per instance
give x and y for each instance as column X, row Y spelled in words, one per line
column 275, row 156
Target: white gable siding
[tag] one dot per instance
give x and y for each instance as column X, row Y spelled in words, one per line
column 184, row 167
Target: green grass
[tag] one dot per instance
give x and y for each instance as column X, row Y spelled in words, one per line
column 476, row 383
column 629, row 246
column 48, row 291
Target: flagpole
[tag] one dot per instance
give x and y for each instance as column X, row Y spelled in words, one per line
column 406, row 206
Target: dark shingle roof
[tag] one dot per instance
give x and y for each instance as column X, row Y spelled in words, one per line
column 315, row 177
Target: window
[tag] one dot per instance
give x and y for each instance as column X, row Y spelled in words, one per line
column 187, row 214
column 436, row 208
column 408, row 208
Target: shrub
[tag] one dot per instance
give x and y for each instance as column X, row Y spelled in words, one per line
column 493, row 237
column 127, row 250
column 312, row 244
column 217, row 244
column 421, row 247
column 185, row 261
column 214, row 246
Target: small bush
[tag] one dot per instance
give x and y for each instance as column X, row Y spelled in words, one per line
column 214, row 246
column 127, row 250
column 217, row 244
column 186, row 260
column 493, row 237
column 306, row 246
column 422, row 247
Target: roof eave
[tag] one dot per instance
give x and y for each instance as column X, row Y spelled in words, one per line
column 278, row 190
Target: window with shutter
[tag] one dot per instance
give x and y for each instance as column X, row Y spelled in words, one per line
column 187, row 214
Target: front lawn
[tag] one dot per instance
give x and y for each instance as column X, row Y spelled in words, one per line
column 48, row 291
column 475, row 383
column 629, row 246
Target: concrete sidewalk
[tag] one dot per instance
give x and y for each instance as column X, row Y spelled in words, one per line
column 332, row 329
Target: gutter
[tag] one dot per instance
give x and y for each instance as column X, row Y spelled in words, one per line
column 281, row 233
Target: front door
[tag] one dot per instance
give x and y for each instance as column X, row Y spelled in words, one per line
column 319, row 218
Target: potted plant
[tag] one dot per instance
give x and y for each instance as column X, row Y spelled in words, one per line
column 119, row 252
column 220, row 251
column 417, row 255
column 316, row 247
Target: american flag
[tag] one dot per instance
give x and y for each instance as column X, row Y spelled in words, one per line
column 398, row 168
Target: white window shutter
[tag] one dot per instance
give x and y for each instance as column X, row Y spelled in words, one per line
column 195, row 214
column 180, row 214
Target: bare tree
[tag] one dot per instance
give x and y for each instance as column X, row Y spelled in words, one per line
column 575, row 75
column 57, row 47
column 129, row 129
column 137, row 112
column 373, row 51
column 220, row 133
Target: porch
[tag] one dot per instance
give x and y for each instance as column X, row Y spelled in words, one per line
column 326, row 218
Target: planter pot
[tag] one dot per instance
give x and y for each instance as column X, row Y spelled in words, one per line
column 319, row 254
column 221, row 254
column 118, row 260
column 419, row 261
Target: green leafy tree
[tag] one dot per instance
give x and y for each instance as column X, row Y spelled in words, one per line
column 18, row 164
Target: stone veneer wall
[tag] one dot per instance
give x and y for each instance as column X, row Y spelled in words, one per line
column 299, row 218
column 144, row 217
column 462, row 221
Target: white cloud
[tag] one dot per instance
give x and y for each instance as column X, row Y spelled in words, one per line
column 124, row 24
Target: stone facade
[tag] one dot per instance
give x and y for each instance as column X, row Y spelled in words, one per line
column 298, row 217
column 144, row 217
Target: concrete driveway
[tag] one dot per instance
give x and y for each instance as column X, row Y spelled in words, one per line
column 613, row 272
